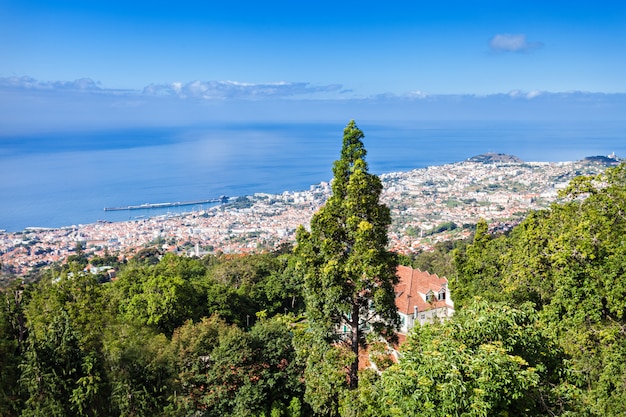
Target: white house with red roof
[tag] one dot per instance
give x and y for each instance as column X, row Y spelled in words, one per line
column 421, row 297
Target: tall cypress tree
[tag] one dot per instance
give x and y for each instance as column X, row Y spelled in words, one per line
column 350, row 274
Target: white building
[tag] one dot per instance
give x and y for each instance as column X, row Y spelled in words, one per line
column 421, row 297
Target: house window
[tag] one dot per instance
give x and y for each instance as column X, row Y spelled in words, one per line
column 441, row 295
column 429, row 296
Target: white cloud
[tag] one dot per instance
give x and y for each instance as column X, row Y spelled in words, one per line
column 527, row 95
column 83, row 84
column 206, row 90
column 237, row 90
column 512, row 43
column 158, row 90
column 418, row 94
column 533, row 94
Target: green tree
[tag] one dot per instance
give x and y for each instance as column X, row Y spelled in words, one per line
column 79, row 258
column 488, row 360
column 140, row 370
column 163, row 295
column 244, row 373
column 12, row 344
column 349, row 273
column 586, row 296
column 59, row 377
column 438, row 261
column 192, row 346
column 325, row 372
column 107, row 259
column 255, row 282
column 66, row 315
column 479, row 268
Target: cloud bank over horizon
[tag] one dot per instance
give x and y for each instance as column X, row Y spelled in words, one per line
column 208, row 90
column 235, row 90
column 29, row 105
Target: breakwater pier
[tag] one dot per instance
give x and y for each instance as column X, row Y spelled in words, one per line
column 221, row 199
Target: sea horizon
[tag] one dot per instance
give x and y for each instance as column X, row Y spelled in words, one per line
column 57, row 180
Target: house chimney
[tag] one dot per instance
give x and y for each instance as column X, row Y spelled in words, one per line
column 414, row 312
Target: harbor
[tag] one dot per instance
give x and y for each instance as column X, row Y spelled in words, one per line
column 221, row 199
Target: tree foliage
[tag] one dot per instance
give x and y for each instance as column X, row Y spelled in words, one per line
column 488, row 360
column 163, row 295
column 570, row 261
column 349, row 271
column 13, row 338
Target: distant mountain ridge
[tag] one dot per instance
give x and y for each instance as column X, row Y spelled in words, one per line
column 491, row 157
column 604, row 160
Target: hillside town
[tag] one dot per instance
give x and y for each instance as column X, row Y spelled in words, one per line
column 427, row 205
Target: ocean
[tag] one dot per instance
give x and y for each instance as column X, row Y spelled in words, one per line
column 67, row 178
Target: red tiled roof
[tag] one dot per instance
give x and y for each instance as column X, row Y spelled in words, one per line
column 412, row 288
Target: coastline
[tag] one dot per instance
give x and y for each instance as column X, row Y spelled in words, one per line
column 58, row 186
column 420, row 200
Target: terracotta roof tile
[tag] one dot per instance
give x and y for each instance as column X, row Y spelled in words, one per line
column 412, row 288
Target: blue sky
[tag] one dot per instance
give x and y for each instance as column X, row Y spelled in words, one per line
column 120, row 53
